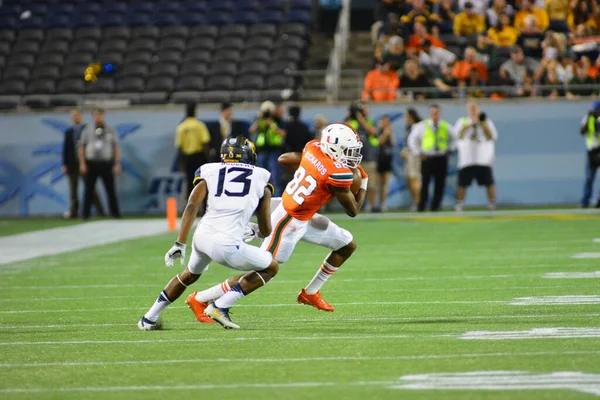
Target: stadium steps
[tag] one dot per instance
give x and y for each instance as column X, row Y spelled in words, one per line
column 317, row 60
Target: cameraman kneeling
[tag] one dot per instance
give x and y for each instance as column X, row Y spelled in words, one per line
column 476, row 149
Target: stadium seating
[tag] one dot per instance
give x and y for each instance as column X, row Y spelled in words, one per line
column 165, row 50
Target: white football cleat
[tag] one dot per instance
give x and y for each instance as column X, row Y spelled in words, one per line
column 146, row 325
column 221, row 315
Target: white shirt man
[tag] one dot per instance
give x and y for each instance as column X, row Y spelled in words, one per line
column 476, row 152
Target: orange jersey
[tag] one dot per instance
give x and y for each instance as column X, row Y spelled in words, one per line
column 309, row 190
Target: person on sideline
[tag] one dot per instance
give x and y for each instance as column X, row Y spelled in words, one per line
column 192, row 142
column 477, row 135
column 99, row 157
column 432, row 140
column 387, row 145
column 70, row 166
column 412, row 162
column 589, row 130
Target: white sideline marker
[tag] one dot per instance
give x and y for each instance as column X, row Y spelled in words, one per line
column 571, row 275
column 503, row 380
column 555, row 300
column 597, row 240
column 586, row 255
column 535, row 333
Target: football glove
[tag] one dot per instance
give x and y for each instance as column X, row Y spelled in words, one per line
column 252, row 232
column 177, row 251
column 365, row 178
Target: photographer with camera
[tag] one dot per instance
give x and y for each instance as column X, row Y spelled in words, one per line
column 477, row 135
column 99, row 156
column 358, row 119
column 590, row 125
column 269, row 143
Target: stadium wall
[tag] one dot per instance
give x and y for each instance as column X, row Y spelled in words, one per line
column 540, row 156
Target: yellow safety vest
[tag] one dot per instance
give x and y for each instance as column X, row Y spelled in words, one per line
column 373, row 141
column 435, row 140
column 591, row 131
column 267, row 136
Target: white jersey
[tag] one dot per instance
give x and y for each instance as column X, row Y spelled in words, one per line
column 475, row 148
column 234, row 191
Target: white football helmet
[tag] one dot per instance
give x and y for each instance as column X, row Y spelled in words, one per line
column 340, row 142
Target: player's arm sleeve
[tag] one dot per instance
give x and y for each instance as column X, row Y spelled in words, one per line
column 198, row 176
column 341, row 178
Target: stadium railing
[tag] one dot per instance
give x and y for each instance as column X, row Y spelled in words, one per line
column 337, row 56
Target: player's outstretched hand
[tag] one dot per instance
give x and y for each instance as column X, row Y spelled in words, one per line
column 177, row 251
column 252, row 233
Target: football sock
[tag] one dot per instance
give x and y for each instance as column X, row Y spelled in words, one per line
column 212, row 293
column 320, row 277
column 159, row 305
column 233, row 295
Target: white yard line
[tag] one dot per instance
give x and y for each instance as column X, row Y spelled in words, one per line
column 289, row 385
column 357, row 303
column 572, row 275
column 47, row 242
column 586, row 255
column 275, row 281
column 417, row 319
column 222, row 339
column 292, row 292
column 296, row 360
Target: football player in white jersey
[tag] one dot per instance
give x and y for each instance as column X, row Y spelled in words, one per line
column 234, row 189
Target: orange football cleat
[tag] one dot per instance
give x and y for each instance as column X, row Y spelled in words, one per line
column 314, row 300
column 198, row 309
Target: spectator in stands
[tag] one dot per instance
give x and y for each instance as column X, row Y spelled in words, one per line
column 531, row 39
column 446, row 83
column 503, row 34
column 581, row 78
column 416, row 40
column 71, row 166
column 99, row 157
column 592, row 70
column 479, row 6
column 565, row 69
column 192, row 142
column 297, row 132
column 446, row 10
column 468, row 22
column 319, row 123
column 553, row 46
column 527, row 9
column 223, row 128
column 583, row 15
column 486, row 51
column 413, row 81
column 557, row 9
column 498, row 8
column 391, row 27
column 419, row 13
column 394, row 53
column 412, row 162
column 434, row 58
column 518, row 65
column 384, row 8
column 270, row 138
column 462, row 69
column 527, row 89
column 380, row 84
column 552, row 86
column 386, row 149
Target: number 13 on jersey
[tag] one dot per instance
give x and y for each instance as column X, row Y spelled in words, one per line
column 301, row 186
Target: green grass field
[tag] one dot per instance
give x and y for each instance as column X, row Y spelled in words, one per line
column 403, row 302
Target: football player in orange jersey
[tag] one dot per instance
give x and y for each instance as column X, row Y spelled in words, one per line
column 323, row 172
